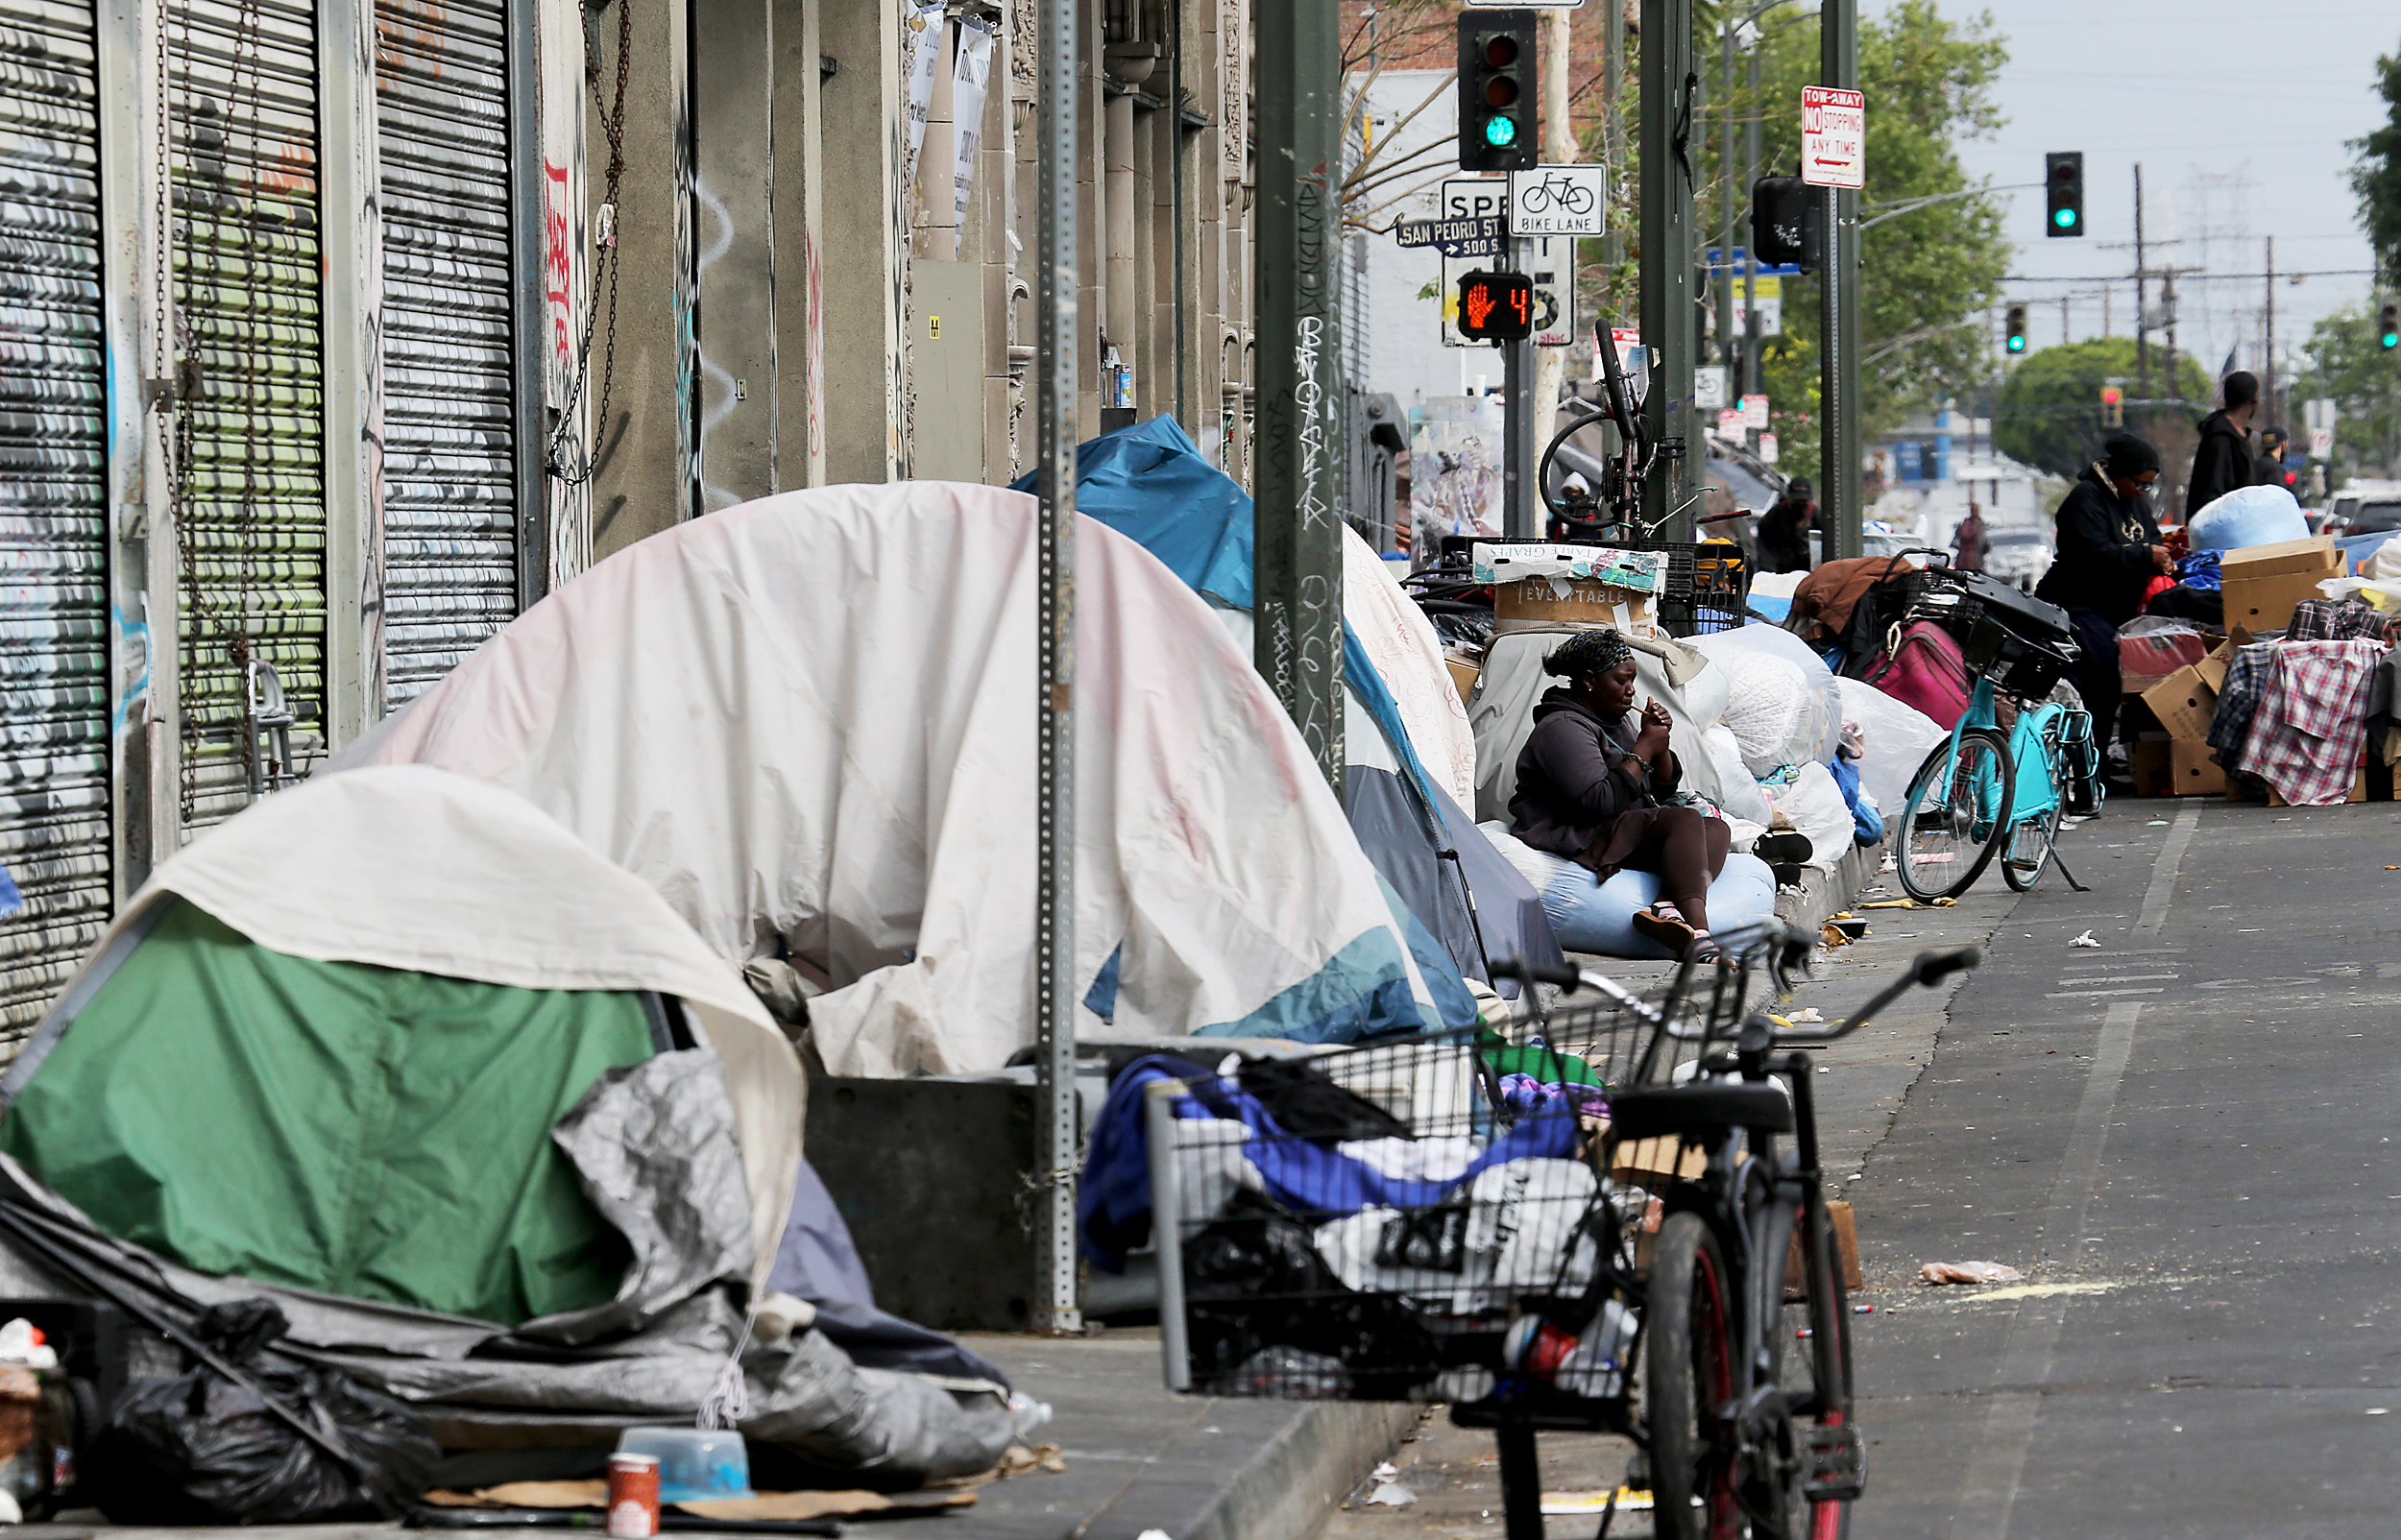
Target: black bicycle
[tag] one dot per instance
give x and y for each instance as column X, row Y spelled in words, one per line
column 1747, row 1332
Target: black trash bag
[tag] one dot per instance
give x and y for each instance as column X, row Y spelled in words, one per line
column 198, row 1448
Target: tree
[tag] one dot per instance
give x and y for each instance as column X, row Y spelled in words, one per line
column 2365, row 382
column 2049, row 411
column 2376, row 176
column 1927, row 277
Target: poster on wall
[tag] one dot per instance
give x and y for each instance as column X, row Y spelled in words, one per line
column 1455, row 467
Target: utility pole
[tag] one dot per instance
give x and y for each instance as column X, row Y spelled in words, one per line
column 2268, row 375
column 1549, row 365
column 1057, row 1303
column 2064, row 337
column 1722, row 278
column 1296, row 520
column 1838, row 359
column 2142, row 305
column 1757, row 382
column 1669, row 86
column 1613, row 122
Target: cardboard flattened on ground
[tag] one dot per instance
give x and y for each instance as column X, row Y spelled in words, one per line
column 765, row 1506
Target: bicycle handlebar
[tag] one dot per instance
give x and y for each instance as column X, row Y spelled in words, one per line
column 1928, row 968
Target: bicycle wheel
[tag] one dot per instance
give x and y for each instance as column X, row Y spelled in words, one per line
column 2027, row 850
column 1814, row 1371
column 1693, row 1354
column 1955, row 821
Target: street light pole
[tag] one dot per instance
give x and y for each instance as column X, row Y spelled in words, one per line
column 1297, row 529
column 1669, row 86
column 1057, row 1305
column 1838, row 359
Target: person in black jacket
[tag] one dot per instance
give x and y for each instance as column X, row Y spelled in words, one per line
column 2222, row 461
column 1590, row 779
column 1785, row 530
column 2109, row 551
column 2269, row 471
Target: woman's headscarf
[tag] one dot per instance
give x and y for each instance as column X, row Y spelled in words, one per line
column 1587, row 652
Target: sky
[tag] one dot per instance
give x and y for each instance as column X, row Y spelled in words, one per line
column 2238, row 113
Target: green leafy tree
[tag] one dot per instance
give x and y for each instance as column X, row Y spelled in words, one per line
column 2376, row 176
column 2365, row 382
column 2048, row 414
column 1927, row 277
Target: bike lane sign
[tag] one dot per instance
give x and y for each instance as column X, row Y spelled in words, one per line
column 1557, row 200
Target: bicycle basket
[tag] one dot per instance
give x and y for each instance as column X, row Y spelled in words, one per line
column 1433, row 1219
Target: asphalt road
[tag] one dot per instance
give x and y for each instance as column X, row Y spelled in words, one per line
column 2183, row 1136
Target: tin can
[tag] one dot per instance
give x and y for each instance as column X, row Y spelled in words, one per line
column 633, row 1496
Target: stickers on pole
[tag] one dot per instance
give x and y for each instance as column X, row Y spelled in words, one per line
column 1834, row 138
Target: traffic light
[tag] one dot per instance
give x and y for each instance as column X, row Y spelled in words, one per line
column 2113, row 407
column 2063, row 174
column 2389, row 328
column 1496, row 91
column 1497, row 307
column 2016, row 328
column 1785, row 224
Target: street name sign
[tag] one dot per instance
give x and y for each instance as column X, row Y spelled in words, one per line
column 1454, row 237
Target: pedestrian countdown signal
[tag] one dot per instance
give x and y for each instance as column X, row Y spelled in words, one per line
column 1497, row 307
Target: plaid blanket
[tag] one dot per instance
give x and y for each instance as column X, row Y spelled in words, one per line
column 2338, row 620
column 2311, row 721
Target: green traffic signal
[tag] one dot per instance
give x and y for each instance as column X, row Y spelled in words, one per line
column 2389, row 328
column 1500, row 132
column 2064, row 219
column 2017, row 344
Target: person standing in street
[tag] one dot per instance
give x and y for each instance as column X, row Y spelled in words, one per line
column 1784, row 529
column 2270, row 470
column 2109, row 551
column 2223, row 462
column 1970, row 544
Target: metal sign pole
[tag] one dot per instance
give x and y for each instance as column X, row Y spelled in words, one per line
column 1838, row 382
column 1669, row 87
column 1297, row 517
column 1056, row 1306
column 1522, row 499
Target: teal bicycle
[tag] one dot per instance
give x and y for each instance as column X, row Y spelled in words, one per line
column 1982, row 794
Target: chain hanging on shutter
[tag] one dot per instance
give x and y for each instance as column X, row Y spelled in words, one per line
column 567, row 461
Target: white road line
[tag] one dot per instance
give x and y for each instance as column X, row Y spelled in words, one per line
column 1989, row 1492
column 2100, row 994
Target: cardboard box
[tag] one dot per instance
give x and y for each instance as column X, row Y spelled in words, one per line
column 1575, row 601
column 2150, row 767
column 2315, row 556
column 1463, row 678
column 2184, row 703
column 2266, row 603
column 1653, row 1163
column 2195, row 768
column 2213, row 668
column 2358, row 791
column 1846, row 1247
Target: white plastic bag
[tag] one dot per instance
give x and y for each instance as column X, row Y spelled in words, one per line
column 2249, row 516
column 1778, row 698
column 1739, row 795
column 1897, row 737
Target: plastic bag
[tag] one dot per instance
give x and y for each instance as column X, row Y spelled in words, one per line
column 1895, row 737
column 1779, row 695
column 2249, row 516
column 198, row 1448
column 1740, row 794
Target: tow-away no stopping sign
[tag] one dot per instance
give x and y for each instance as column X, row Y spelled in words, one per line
column 1834, row 138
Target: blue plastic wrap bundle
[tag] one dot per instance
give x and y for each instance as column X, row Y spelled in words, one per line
column 2249, row 516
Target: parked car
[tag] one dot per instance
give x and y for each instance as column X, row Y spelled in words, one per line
column 2019, row 555
column 2366, row 515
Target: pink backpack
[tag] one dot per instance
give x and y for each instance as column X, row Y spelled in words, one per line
column 1924, row 669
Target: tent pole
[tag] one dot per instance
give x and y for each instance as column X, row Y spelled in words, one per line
column 1057, row 1305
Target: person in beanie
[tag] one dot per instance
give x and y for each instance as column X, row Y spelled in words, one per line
column 2109, row 551
column 2270, row 470
column 1592, row 780
column 2224, row 461
column 1784, row 529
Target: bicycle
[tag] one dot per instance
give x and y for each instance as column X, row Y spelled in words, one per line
column 1979, row 795
column 1572, row 196
column 1750, row 1385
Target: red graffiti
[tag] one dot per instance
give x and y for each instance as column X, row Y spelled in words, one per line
column 557, row 259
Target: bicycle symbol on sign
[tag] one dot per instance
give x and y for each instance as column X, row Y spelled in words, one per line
column 1568, row 195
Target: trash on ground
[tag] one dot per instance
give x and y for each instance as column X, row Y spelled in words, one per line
column 762, row 1506
column 1891, row 903
column 1803, row 1017
column 23, row 1346
column 1388, row 1488
column 1630, row 1500
column 2084, row 940
column 1851, row 926
column 1969, row 1272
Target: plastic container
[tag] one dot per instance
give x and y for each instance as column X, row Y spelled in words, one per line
column 694, row 1465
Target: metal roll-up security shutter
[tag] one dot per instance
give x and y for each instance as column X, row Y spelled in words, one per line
column 53, row 615
column 249, row 479
column 450, row 514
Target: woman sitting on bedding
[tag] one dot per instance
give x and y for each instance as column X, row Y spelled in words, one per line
column 1591, row 781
